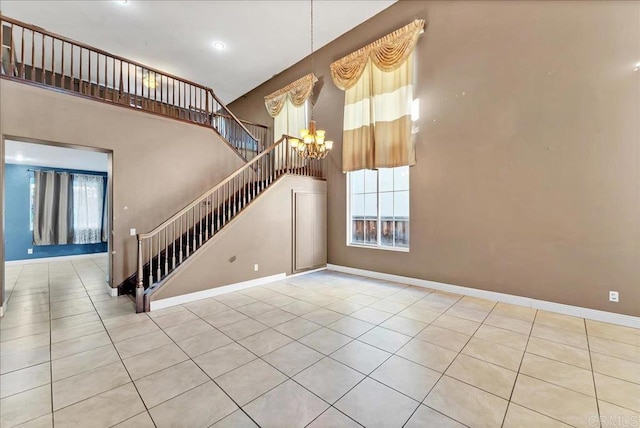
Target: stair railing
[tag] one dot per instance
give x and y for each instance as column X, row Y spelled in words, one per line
column 33, row 55
column 175, row 240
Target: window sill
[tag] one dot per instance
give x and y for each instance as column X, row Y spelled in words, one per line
column 377, row 247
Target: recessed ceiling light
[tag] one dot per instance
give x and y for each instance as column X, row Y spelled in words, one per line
column 219, row 45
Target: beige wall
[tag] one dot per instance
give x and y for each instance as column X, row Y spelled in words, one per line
column 528, row 177
column 159, row 165
column 2, row 285
column 260, row 235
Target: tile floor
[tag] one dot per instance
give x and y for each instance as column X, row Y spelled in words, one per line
column 320, row 350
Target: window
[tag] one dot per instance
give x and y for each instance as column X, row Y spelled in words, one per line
column 379, row 207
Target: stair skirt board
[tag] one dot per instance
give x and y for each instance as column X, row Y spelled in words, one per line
column 211, row 292
column 575, row 311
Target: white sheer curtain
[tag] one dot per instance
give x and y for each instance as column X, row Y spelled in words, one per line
column 88, row 208
column 289, row 121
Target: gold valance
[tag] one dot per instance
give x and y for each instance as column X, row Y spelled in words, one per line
column 297, row 92
column 386, row 53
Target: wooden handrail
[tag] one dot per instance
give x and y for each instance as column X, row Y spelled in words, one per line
column 115, row 79
column 41, row 30
column 171, row 243
column 206, row 194
column 248, row 122
column 231, row 114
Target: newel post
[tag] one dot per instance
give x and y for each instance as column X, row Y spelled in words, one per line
column 140, row 279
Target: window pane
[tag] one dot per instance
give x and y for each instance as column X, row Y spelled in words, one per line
column 386, row 179
column 370, row 181
column 371, row 206
column 357, row 231
column 401, row 178
column 357, row 181
column 357, row 206
column 401, row 205
column 402, row 233
column 386, row 206
column 386, row 234
column 401, row 214
column 372, row 232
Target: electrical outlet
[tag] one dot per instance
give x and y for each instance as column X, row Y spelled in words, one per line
column 255, row 267
column 132, row 231
column 30, row 251
column 613, row 296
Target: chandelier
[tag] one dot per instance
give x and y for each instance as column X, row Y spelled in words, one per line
column 311, row 144
column 149, row 79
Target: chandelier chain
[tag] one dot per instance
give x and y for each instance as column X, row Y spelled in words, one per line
column 312, row 65
column 312, row 144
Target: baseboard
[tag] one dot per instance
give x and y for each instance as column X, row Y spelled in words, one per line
column 293, row 275
column 211, row 292
column 576, row 311
column 113, row 292
column 53, row 259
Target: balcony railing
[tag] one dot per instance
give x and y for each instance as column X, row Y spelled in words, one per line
column 34, row 55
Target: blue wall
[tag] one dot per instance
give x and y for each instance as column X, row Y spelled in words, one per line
column 18, row 236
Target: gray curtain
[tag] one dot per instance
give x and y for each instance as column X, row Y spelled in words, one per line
column 53, row 208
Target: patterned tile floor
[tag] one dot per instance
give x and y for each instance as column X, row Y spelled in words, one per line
column 320, row 350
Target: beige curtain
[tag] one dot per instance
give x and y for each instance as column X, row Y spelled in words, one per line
column 378, row 85
column 288, row 106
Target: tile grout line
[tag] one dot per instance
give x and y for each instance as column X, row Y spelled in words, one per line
column 337, row 410
column 442, row 313
column 15, row 283
column 323, row 306
column 550, row 383
column 205, row 373
column 119, row 357
column 112, row 340
column 442, row 374
column 593, row 375
column 275, row 368
column 524, row 352
column 367, row 376
column 391, row 354
column 50, row 345
column 291, row 378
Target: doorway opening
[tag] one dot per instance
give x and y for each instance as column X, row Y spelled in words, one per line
column 57, row 216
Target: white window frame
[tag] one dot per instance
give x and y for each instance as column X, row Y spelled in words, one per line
column 378, row 245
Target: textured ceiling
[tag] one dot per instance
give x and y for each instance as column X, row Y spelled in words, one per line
column 262, row 38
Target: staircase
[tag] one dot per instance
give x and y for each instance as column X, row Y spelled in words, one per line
column 35, row 56
column 170, row 245
column 31, row 55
